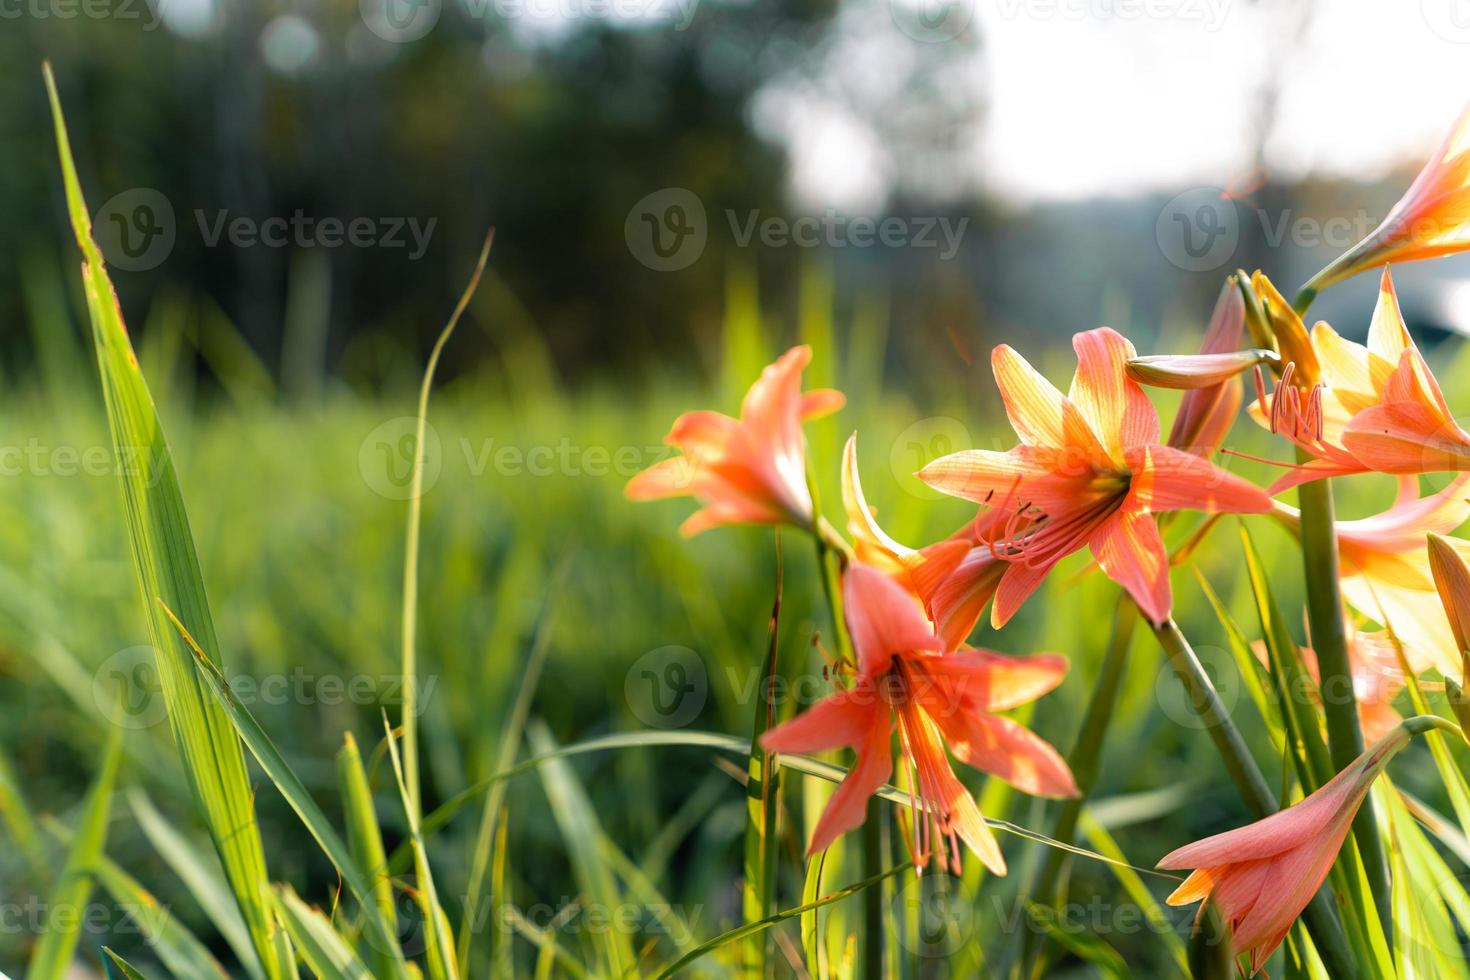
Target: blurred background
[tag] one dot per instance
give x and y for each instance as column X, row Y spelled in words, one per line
column 291, row 196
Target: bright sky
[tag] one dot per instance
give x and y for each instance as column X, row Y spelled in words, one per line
column 1087, row 97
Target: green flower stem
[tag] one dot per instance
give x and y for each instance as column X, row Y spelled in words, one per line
column 833, row 555
column 1084, row 760
column 1340, row 704
column 1320, row 916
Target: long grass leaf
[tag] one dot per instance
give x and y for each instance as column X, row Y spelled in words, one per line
column 411, row 547
column 51, row 959
column 509, row 746
column 762, row 799
column 284, row 778
column 168, row 570
column 740, row 932
column 328, row 955
column 580, row 830
column 200, row 874
column 364, row 835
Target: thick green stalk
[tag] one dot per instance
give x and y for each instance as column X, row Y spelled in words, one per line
column 1320, row 916
column 1339, row 701
column 1084, row 760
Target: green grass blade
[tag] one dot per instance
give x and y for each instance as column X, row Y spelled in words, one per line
column 811, row 926
column 509, row 746
column 168, row 570
column 1158, row 919
column 284, row 778
column 51, row 959
column 411, row 549
column 723, row 743
column 180, row 951
column 200, row 875
column 323, row 950
column 439, row 949
column 20, row 822
column 580, row 830
column 762, row 800
column 1084, row 945
column 364, row 836
column 742, row 931
column 116, row 966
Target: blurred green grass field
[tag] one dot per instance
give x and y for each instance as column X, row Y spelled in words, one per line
column 298, row 511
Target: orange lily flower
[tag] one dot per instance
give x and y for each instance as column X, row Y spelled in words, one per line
column 1090, row 472
column 926, row 572
column 750, row 470
column 1371, row 408
column 1263, row 875
column 1386, row 573
column 955, row 577
column 1430, row 220
column 903, row 675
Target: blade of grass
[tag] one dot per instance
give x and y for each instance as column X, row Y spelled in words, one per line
column 180, row 951
column 52, row 957
column 364, row 836
column 284, row 778
column 439, row 949
column 580, row 829
column 762, row 800
column 323, row 950
column 116, row 966
column 411, row 546
column 740, row 932
column 1158, row 919
column 201, row 877
column 811, row 930
column 21, row 824
column 167, row 569
column 509, row 746
column 738, row 746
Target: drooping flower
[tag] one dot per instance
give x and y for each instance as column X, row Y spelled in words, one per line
column 1089, row 472
column 1365, row 408
column 903, row 676
column 1262, row 876
column 750, row 470
column 1430, row 220
column 1385, row 569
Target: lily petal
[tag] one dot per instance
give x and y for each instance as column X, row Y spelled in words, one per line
column 884, row 618
column 1131, row 551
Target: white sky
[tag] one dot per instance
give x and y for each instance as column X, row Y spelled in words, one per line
column 1088, row 97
